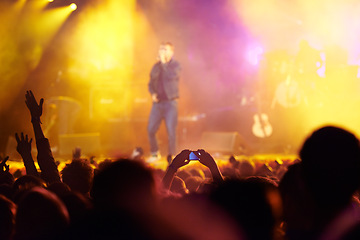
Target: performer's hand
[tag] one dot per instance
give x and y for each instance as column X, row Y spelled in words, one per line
column 162, row 56
column 154, row 97
column 163, row 59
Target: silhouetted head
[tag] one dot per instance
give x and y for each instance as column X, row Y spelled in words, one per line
column 248, row 201
column 178, row 186
column 123, row 184
column 78, row 175
column 7, row 178
column 40, row 215
column 25, row 183
column 298, row 207
column 331, row 164
column 7, row 218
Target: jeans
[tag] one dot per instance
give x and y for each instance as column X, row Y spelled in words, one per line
column 167, row 110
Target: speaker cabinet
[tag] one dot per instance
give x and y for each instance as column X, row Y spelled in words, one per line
column 222, row 142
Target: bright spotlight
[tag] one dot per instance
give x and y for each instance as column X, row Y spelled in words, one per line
column 50, row 0
column 73, row 6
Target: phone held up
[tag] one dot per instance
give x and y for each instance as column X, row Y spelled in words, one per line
column 192, row 156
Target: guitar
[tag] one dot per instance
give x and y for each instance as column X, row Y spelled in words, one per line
column 261, row 127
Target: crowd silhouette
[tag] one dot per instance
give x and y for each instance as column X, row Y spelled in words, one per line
column 314, row 197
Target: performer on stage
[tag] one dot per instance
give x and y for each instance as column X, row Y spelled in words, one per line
column 164, row 90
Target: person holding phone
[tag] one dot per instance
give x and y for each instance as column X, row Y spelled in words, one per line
column 164, row 90
column 184, row 158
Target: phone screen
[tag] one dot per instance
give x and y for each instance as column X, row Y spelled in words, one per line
column 192, row 156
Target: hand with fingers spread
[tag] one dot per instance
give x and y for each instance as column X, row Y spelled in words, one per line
column 46, row 161
column 24, row 149
column 23, row 144
column 35, row 108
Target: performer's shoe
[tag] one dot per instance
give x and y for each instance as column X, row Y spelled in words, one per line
column 154, row 157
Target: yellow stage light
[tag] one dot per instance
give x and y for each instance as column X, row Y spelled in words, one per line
column 73, row 6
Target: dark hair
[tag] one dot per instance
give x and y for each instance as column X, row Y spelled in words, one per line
column 78, row 175
column 168, row 44
column 331, row 163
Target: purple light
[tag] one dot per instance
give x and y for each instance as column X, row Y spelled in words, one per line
column 254, row 55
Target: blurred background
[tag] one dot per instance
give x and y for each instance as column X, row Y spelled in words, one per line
column 269, row 71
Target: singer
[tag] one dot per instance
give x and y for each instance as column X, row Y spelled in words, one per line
column 164, row 90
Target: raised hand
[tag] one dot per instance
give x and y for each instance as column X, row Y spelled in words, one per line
column 206, row 159
column 3, row 166
column 76, row 153
column 24, row 149
column 35, row 108
column 180, row 160
column 46, row 161
column 23, row 144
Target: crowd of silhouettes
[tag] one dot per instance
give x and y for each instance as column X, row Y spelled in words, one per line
column 312, row 197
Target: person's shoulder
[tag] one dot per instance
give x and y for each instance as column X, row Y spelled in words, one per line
column 174, row 62
column 156, row 65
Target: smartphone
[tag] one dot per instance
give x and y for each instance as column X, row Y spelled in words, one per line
column 192, row 156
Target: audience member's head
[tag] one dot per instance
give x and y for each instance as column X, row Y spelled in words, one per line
column 178, row 186
column 331, row 165
column 59, row 188
column 77, row 205
column 197, row 172
column 248, row 202
column 229, row 171
column 78, row 175
column 123, row 184
column 7, row 191
column 246, row 168
column 40, row 215
column 183, row 174
column 193, row 183
column 7, row 218
column 298, row 207
column 6, row 178
column 24, row 183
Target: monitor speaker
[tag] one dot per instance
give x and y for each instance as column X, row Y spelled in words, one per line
column 223, row 142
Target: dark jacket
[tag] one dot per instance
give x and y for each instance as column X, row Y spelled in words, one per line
column 171, row 76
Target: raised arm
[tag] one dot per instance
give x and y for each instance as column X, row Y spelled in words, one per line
column 49, row 171
column 36, row 112
column 5, row 175
column 180, row 160
column 206, row 159
column 24, row 149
